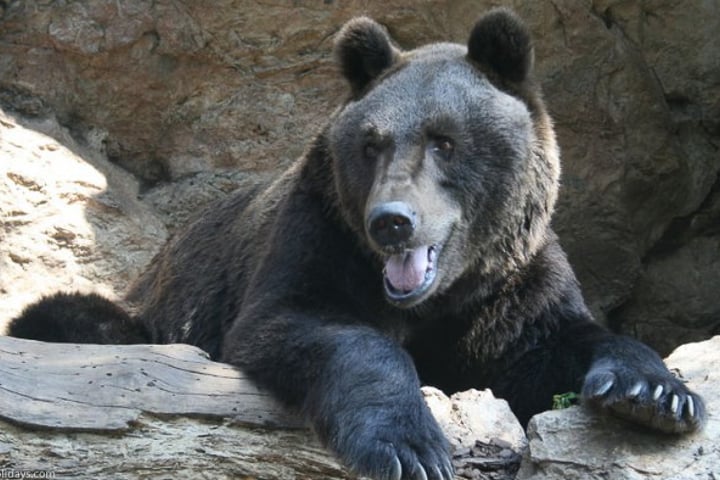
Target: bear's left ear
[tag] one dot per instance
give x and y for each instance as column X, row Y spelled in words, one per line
column 363, row 49
column 501, row 41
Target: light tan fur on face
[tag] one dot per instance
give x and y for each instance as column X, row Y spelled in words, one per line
column 411, row 178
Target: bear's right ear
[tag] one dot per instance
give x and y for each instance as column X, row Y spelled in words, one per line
column 364, row 50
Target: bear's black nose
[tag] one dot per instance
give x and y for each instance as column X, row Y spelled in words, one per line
column 391, row 223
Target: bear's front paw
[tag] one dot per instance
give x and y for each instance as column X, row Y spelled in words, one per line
column 392, row 443
column 656, row 398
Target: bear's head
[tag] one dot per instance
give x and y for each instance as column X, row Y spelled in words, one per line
column 444, row 158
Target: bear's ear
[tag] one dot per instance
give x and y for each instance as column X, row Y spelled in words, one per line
column 363, row 49
column 501, row 41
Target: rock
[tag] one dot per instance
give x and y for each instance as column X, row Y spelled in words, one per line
column 471, row 412
column 195, row 101
column 178, row 202
column 575, row 443
column 676, row 298
column 70, row 219
column 486, row 438
column 637, row 153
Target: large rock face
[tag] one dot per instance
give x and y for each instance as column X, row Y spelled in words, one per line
column 188, row 98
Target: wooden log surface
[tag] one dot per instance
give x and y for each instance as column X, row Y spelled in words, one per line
column 167, row 411
column 107, row 388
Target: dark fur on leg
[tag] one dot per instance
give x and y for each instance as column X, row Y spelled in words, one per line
column 77, row 318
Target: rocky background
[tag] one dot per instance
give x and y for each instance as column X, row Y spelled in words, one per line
column 120, row 119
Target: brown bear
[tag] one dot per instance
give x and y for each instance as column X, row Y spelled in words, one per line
column 410, row 245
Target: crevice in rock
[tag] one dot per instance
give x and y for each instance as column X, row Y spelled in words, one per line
column 75, row 126
column 82, row 133
column 154, row 173
column 22, row 101
column 561, row 22
column 705, row 221
column 677, row 101
column 607, row 18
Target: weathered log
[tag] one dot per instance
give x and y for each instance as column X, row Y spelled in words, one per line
column 167, row 411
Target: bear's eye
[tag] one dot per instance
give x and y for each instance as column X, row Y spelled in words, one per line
column 371, row 151
column 442, row 147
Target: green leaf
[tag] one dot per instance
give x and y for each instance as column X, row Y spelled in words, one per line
column 564, row 400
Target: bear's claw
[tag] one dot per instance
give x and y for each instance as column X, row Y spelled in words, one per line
column 417, row 470
column 656, row 400
column 404, row 453
column 635, row 390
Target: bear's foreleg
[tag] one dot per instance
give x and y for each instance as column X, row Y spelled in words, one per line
column 612, row 373
column 357, row 387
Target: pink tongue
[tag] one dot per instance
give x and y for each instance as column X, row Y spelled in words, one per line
column 406, row 271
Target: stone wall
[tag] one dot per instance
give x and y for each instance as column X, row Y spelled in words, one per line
column 190, row 99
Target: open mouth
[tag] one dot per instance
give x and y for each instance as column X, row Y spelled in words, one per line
column 410, row 274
